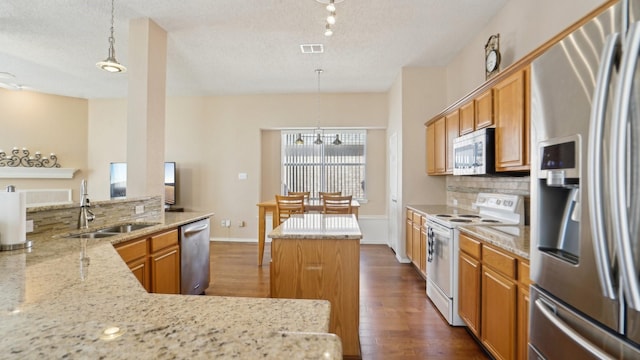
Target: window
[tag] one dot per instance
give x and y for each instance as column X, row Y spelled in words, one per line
column 335, row 164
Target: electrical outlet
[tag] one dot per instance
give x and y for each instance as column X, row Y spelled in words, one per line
column 139, row 209
column 223, row 223
column 455, row 202
column 29, row 226
column 241, row 223
column 228, row 223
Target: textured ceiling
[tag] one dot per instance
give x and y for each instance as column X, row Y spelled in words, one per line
column 218, row 47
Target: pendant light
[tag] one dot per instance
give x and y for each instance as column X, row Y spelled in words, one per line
column 110, row 64
column 337, row 140
column 299, row 140
column 318, row 140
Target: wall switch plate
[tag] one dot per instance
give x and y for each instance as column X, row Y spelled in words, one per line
column 139, row 209
column 241, row 223
column 242, row 176
column 29, row 226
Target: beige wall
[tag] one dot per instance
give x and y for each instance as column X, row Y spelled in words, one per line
column 212, row 139
column 49, row 124
column 523, row 25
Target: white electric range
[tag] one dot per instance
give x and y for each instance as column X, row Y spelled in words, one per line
column 443, row 244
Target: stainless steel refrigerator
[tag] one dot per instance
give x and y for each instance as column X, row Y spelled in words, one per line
column 585, row 192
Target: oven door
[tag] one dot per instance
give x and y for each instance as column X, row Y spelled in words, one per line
column 439, row 257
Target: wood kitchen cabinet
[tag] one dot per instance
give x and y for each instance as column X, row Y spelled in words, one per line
column 467, row 118
column 484, row 110
column 511, row 115
column 431, row 148
column 136, row 255
column 493, row 290
column 155, row 261
column 415, row 239
column 165, row 263
column 408, row 245
column 440, row 135
column 322, row 269
column 469, row 280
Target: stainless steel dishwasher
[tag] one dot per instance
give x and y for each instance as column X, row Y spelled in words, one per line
column 194, row 257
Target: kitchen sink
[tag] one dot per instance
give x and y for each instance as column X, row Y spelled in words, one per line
column 92, row 235
column 126, row 228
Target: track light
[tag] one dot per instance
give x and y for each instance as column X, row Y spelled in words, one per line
column 328, row 31
column 331, row 19
column 331, row 7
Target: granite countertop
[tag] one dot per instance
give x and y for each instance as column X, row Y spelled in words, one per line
column 318, row 226
column 516, row 242
column 439, row 209
column 54, row 305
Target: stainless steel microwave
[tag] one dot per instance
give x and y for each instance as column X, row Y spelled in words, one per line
column 474, row 153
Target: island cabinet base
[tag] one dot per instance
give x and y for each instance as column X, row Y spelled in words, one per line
column 326, row 269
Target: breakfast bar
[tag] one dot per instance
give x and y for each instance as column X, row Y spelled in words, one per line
column 317, row 256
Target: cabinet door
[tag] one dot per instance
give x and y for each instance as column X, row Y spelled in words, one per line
column 165, row 271
column 523, row 322
column 498, row 319
column 440, row 146
column 423, row 249
column 511, row 123
column 140, row 269
column 484, row 110
column 469, row 291
column 431, row 149
column 452, row 122
column 467, row 118
column 408, row 245
column 415, row 241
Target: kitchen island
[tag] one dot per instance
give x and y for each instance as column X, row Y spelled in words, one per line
column 317, row 256
column 76, row 298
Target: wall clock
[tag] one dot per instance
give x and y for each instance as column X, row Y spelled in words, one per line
column 492, row 56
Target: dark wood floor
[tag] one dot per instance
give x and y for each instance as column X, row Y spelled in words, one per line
column 397, row 321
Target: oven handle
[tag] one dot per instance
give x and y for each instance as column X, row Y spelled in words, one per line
column 439, row 230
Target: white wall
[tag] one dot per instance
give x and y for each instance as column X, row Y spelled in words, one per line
column 523, row 25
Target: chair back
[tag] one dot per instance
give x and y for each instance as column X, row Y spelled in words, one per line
column 306, row 194
column 336, row 204
column 287, row 205
column 332, row 193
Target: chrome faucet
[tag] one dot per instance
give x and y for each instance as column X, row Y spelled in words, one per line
column 85, row 214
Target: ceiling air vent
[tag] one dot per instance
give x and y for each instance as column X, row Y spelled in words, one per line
column 312, row 48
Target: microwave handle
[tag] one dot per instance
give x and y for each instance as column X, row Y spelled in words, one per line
column 618, row 161
column 595, row 167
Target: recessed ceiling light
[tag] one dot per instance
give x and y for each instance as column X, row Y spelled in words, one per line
column 312, row 48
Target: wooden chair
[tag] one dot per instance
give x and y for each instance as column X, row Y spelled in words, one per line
column 287, row 205
column 336, row 204
column 306, row 194
column 332, row 193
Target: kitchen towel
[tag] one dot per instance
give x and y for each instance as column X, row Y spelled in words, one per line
column 13, row 218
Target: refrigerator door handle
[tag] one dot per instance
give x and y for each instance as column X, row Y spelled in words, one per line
column 595, row 167
column 548, row 310
column 618, row 160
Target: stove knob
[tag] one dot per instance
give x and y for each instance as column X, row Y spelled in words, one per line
column 498, row 202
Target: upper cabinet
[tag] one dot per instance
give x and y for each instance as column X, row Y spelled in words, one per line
column 511, row 114
column 484, row 110
column 503, row 104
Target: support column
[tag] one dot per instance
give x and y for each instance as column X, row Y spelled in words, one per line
column 146, row 108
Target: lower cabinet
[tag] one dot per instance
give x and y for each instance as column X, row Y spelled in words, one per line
column 416, row 240
column 155, row 261
column 493, row 291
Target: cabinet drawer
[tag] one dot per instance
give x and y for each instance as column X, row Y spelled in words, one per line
column 164, row 240
column 409, row 214
column 417, row 218
column 470, row 246
column 499, row 261
column 132, row 250
column 523, row 273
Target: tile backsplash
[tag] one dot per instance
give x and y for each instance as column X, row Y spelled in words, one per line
column 462, row 190
column 57, row 219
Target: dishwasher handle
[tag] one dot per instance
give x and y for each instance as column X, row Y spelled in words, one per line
column 195, row 229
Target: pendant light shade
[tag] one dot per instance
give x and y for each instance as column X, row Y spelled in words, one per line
column 299, row 140
column 318, row 140
column 110, row 64
column 337, row 140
